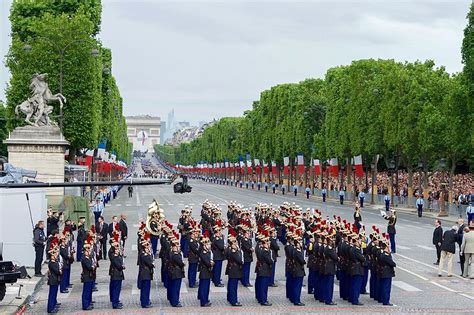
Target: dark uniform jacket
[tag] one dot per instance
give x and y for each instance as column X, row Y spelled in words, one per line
column 146, row 267
column 235, row 263
column 102, row 231
column 193, row 257
column 289, row 258
column 218, row 248
column 116, row 267
column 438, row 235
column 246, row 246
column 357, row 259
column 38, row 237
column 87, row 269
column 176, row 266
column 64, row 252
column 264, row 263
column 386, row 266
column 123, row 229
column 54, row 273
column 81, row 233
column 164, row 248
column 330, row 261
column 298, row 259
column 392, row 220
column 205, row 267
column 449, row 241
column 52, row 224
column 310, row 250
column 274, row 247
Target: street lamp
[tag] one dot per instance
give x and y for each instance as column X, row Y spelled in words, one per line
column 391, row 168
column 61, row 51
column 343, row 167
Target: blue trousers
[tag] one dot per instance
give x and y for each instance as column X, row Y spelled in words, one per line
column 164, row 273
column 392, row 242
column 272, row 279
column 311, row 278
column 470, row 217
column 96, row 217
column 154, row 245
column 216, row 272
column 68, row 274
column 64, row 280
column 203, row 291
column 317, row 286
column 341, row 200
column 420, row 210
column 387, row 205
column 324, row 197
column 173, row 288
column 192, row 271
column 289, row 286
column 79, row 251
column 87, row 294
column 297, row 285
column 145, row 292
column 246, row 273
column 373, row 283
column 386, row 286
column 343, row 285
column 261, row 290
column 365, row 278
column 184, row 246
column 115, row 288
column 328, row 289
column 356, row 282
column 53, row 293
column 361, row 202
column 232, row 286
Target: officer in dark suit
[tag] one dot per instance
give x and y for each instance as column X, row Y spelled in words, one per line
column 263, row 270
column 386, row 273
column 235, row 263
column 145, row 273
column 392, row 220
column 52, row 221
column 39, row 242
column 54, row 277
column 218, row 251
column 123, row 232
column 438, row 239
column 87, row 277
column 116, row 277
column 205, row 270
column 193, row 257
column 298, row 272
column 247, row 249
column 357, row 270
column 102, row 232
column 175, row 273
column 330, row 263
column 274, row 247
column 81, row 237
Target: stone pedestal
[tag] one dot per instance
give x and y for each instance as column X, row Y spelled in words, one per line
column 41, row 149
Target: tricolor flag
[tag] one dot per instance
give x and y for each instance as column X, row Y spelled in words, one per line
column 300, row 163
column 249, row 167
column 257, row 165
column 317, row 167
column 286, row 163
column 265, row 167
column 101, row 149
column 359, row 170
column 89, row 157
column 333, row 167
column 274, row 168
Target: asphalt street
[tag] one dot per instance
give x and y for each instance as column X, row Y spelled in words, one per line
column 416, row 287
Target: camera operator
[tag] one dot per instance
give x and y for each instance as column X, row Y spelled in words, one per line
column 39, row 242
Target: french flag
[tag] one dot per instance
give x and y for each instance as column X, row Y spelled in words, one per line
column 333, row 167
column 359, row 170
column 300, row 163
column 317, row 167
column 265, row 167
column 286, row 163
column 274, row 168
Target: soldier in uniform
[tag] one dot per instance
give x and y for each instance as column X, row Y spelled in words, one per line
column 193, row 257
column 87, row 277
column 175, row 272
column 165, row 251
column 357, row 269
column 235, row 263
column 205, row 270
column 67, row 258
column 54, row 276
column 298, row 272
column 386, row 272
column 247, row 249
column 81, row 237
column 39, row 242
column 392, row 220
column 274, row 248
column 263, row 269
column 330, row 263
column 116, row 277
column 289, row 265
column 146, row 270
column 218, row 251
column 310, row 251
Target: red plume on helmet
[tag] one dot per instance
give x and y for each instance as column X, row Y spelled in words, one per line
column 66, row 230
column 93, row 229
column 146, row 236
column 232, row 232
column 205, row 234
column 117, row 227
column 89, row 239
column 116, row 237
column 142, row 225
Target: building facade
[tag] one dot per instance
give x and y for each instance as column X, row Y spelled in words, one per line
column 143, row 131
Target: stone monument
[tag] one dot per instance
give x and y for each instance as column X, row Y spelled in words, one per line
column 40, row 145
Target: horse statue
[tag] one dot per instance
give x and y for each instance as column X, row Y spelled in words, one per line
column 36, row 107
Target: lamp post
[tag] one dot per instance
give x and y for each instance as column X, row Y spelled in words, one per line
column 391, row 169
column 61, row 52
column 420, row 179
column 343, row 167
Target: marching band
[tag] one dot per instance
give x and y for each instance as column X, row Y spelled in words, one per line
column 313, row 245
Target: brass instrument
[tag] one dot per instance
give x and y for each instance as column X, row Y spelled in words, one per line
column 154, row 217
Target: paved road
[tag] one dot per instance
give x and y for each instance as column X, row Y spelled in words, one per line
column 416, row 288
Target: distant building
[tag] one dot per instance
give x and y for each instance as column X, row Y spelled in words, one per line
column 183, row 124
column 188, row 134
column 163, row 133
column 170, row 126
column 143, row 131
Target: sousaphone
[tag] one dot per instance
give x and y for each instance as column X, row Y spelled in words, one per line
column 154, row 217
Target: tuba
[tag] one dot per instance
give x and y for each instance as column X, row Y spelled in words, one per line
column 154, row 217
